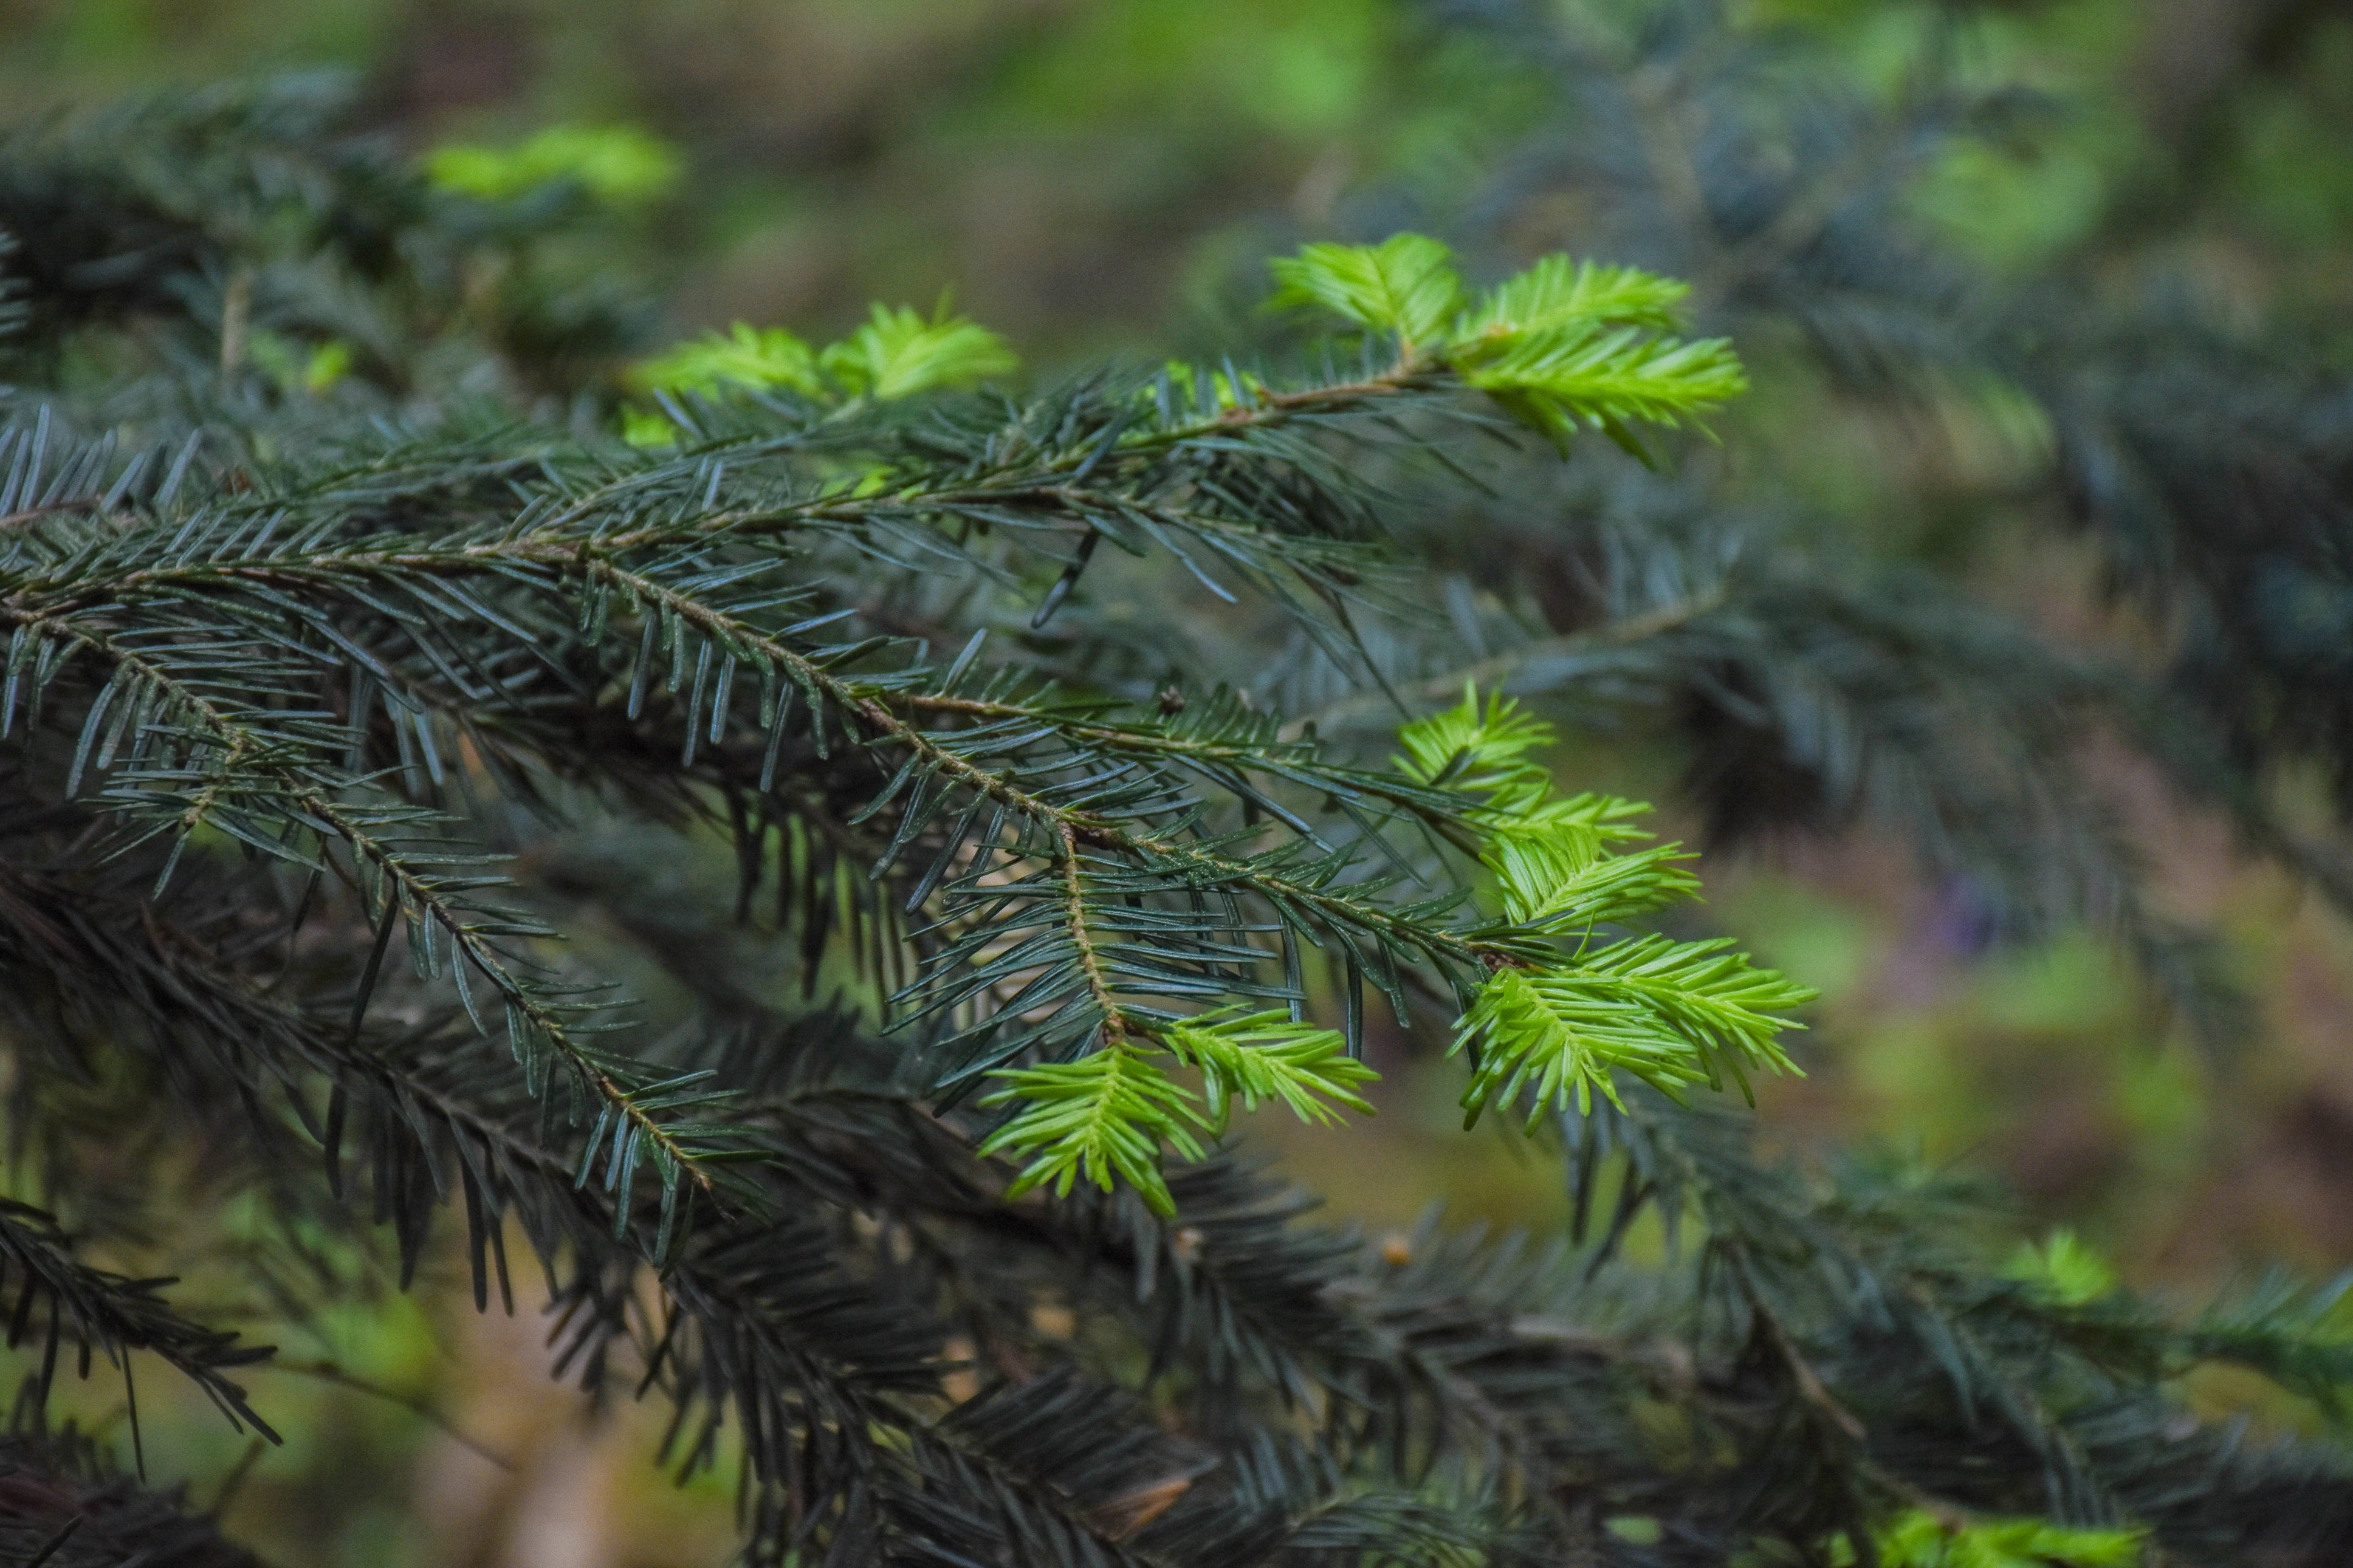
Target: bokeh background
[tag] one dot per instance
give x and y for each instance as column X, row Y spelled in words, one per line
column 1104, row 177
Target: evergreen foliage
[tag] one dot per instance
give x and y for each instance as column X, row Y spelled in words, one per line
column 314, row 682
column 1815, row 681
column 69, row 1506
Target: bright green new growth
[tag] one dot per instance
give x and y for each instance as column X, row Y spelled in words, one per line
column 389, row 636
column 1920, row 1539
column 2064, row 1269
column 896, row 353
column 1480, row 752
column 1110, row 1113
column 1407, row 284
column 1555, row 1031
column 615, row 164
column 1265, row 1057
column 1672, row 1014
column 1107, row 1114
column 294, row 367
column 1561, row 344
column 743, row 357
column 1554, row 867
column 1557, row 292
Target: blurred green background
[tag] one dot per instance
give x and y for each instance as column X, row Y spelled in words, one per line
column 1102, row 178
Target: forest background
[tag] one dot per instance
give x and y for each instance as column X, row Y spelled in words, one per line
column 1097, row 177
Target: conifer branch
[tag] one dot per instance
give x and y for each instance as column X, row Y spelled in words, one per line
column 956, row 1259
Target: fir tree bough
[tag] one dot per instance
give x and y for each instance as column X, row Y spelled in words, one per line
column 333, row 703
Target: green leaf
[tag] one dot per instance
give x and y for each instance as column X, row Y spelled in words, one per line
column 1917, row 1538
column 1405, row 285
column 1265, row 1057
column 1708, row 991
column 316, row 371
column 2064, row 1268
column 1473, row 748
column 745, row 356
column 1105, row 1115
column 897, row 354
column 615, row 164
column 1559, row 1035
column 1668, row 1013
column 1561, row 346
column 644, row 427
column 1556, row 380
column 329, row 363
column 1557, row 292
column 1553, row 865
